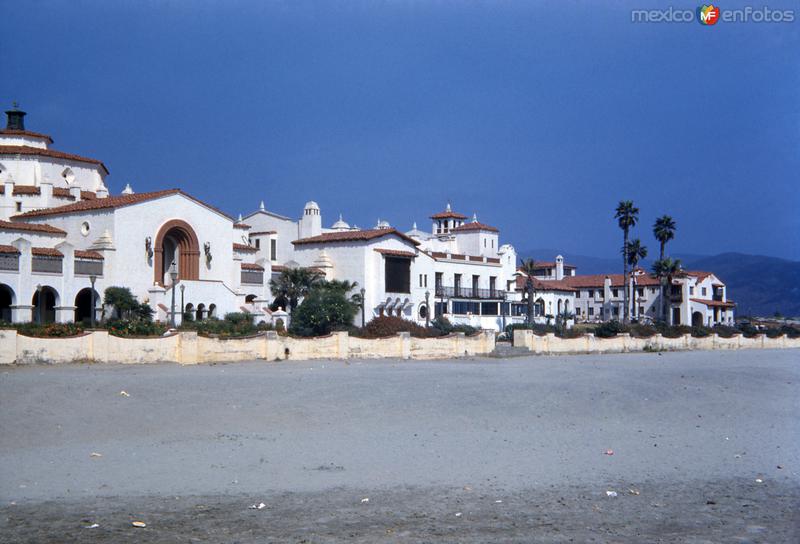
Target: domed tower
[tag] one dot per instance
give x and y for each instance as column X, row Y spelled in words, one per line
column 311, row 222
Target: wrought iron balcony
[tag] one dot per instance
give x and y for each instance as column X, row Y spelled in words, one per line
column 468, row 292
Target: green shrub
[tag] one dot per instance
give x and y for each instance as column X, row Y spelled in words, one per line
column 701, row 332
column 136, row 327
column 791, row 331
column 610, row 329
column 724, row 331
column 233, row 325
column 643, row 331
column 321, row 312
column 384, row 326
column 444, row 326
column 748, row 330
column 48, row 330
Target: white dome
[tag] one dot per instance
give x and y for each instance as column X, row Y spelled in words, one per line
column 383, row 224
column 311, row 205
column 340, row 224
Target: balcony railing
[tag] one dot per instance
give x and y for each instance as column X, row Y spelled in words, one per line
column 469, row 292
column 676, row 295
column 254, row 277
column 9, row 261
column 50, row 265
column 88, row 268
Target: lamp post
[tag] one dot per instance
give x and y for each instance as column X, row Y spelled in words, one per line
column 92, row 280
column 173, row 274
column 427, row 309
column 183, row 288
column 363, row 316
column 39, row 301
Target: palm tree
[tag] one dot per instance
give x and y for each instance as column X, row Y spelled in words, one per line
column 666, row 268
column 664, row 231
column 527, row 269
column 636, row 252
column 342, row 286
column 626, row 215
column 294, row 284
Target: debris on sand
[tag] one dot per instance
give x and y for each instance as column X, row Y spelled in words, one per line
column 609, row 452
column 633, row 491
column 259, row 506
column 92, row 526
column 458, row 514
column 124, row 394
column 139, row 524
column 759, row 481
column 611, row 493
column 365, row 499
column 95, row 454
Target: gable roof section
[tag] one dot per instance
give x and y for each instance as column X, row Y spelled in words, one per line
column 31, row 227
column 113, row 202
column 475, row 225
column 354, row 236
column 544, row 285
column 51, row 153
column 448, row 215
column 30, row 134
column 597, row 280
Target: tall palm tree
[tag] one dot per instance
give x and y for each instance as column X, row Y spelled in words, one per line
column 527, row 269
column 664, row 231
column 666, row 268
column 294, row 284
column 636, row 252
column 627, row 215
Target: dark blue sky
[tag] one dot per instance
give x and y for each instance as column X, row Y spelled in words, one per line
column 538, row 118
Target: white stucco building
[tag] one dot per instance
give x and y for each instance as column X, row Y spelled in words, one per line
column 61, row 230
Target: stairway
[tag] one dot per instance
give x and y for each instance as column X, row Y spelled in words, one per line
column 504, row 350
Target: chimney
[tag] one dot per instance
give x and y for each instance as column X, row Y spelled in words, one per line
column 559, row 267
column 101, row 192
column 75, row 192
column 16, row 118
column 46, row 189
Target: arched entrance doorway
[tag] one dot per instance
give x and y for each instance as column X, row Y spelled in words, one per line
column 201, row 312
column 83, row 305
column 44, row 303
column 697, row 319
column 176, row 242
column 6, row 302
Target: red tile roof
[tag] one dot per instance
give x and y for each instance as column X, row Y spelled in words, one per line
column 698, row 274
column 544, row 285
column 30, row 227
column 550, row 264
column 52, row 153
column 712, row 303
column 245, row 247
column 8, row 249
column 61, row 192
column 252, row 266
column 13, row 132
column 396, row 253
column 46, row 251
column 448, row 215
column 597, row 280
column 353, row 236
column 263, row 232
column 474, row 225
column 88, row 254
column 113, row 202
column 242, row 226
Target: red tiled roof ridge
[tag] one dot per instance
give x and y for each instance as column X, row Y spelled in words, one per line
column 243, row 226
column 252, row 266
column 475, row 225
column 396, row 252
column 448, row 215
column 46, row 251
column 8, row 249
column 60, row 192
column 112, row 202
column 353, row 236
column 52, row 153
column 244, row 247
column 15, row 132
column 88, row 254
column 30, row 227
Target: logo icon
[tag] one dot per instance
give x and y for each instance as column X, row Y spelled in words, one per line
column 708, row 15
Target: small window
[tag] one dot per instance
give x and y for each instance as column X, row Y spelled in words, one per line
column 85, row 228
column 591, row 310
column 18, row 206
column 273, row 250
column 704, row 291
column 691, row 290
column 615, row 292
column 68, row 176
column 258, row 243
